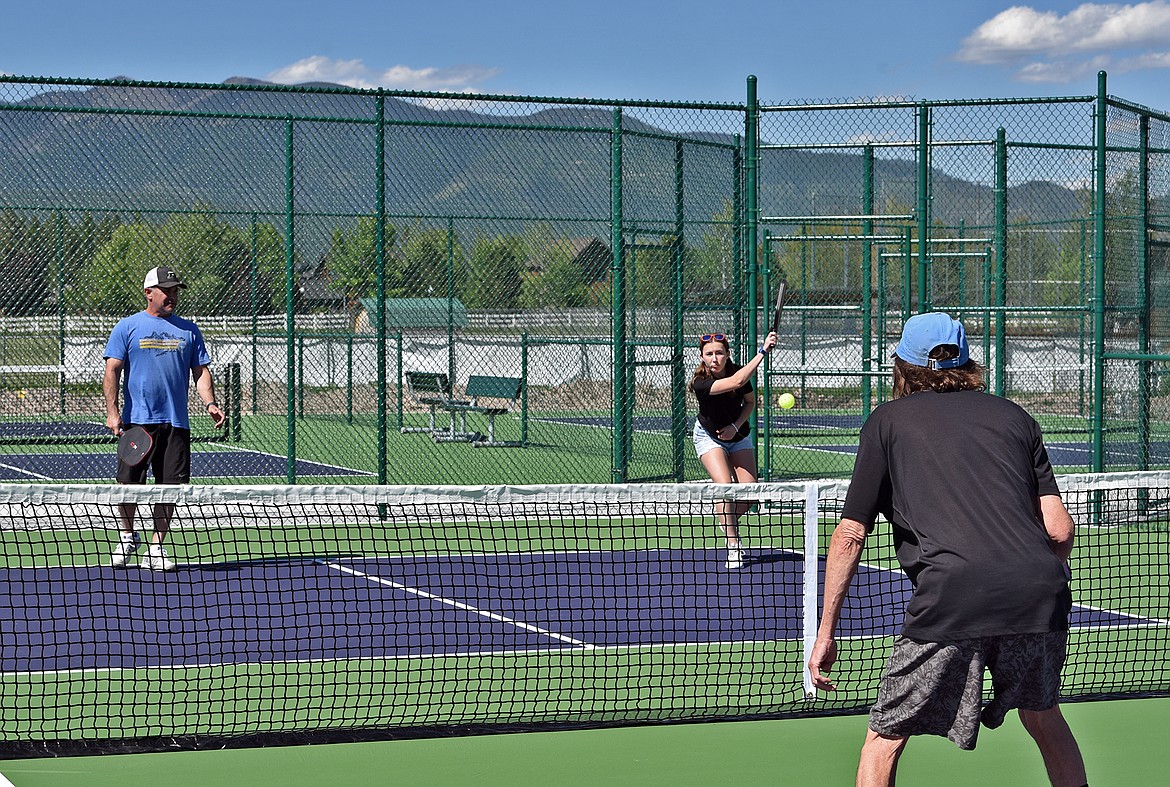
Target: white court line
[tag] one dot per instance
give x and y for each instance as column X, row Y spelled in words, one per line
column 4, row 782
column 271, row 455
column 7, row 466
column 1145, row 619
column 457, row 605
column 841, row 450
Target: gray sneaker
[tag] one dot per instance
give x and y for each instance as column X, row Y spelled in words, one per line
column 156, row 559
column 127, row 546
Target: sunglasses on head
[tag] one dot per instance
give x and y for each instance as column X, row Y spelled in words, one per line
column 712, row 337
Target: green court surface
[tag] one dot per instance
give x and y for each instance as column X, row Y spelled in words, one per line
column 1121, row 741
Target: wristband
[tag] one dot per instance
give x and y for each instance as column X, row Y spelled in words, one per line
column 762, row 350
column 211, row 404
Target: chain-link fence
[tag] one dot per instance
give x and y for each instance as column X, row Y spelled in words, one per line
column 422, row 288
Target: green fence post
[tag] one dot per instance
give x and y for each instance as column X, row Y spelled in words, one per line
column 524, row 389
column 1099, row 186
column 61, row 307
column 678, row 403
column 988, row 254
column 451, row 299
column 290, row 327
column 751, row 131
column 253, row 274
column 751, row 208
column 764, row 400
column 301, row 376
column 380, row 276
column 867, row 207
column 398, row 364
column 1143, row 283
column 349, row 379
column 620, row 458
column 924, row 142
column 737, row 198
column 999, row 290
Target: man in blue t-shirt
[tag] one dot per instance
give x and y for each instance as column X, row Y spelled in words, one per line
column 150, row 355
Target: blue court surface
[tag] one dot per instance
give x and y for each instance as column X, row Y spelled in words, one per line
column 326, row 608
column 97, row 462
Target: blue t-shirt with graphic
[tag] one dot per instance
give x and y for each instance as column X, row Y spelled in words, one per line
column 158, row 354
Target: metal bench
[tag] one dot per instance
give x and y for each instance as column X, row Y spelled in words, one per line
column 505, row 391
column 432, row 389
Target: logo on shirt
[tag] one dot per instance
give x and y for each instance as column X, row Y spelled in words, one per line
column 161, row 343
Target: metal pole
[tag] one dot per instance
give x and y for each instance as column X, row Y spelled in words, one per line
column 924, row 117
column 524, row 389
column 678, row 404
column 1099, row 185
column 450, row 299
column 751, row 131
column 380, row 277
column 737, row 232
column 61, row 307
column 618, row 304
column 867, row 228
column 253, row 271
column 290, row 327
column 1143, row 281
column 998, row 291
column 751, row 207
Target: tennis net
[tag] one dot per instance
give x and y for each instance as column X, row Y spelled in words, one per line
column 316, row 613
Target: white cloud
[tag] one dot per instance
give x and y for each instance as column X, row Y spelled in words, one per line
column 1144, row 61
column 1062, row 71
column 355, row 73
column 1048, row 47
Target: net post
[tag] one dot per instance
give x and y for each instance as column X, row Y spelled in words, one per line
column 810, row 581
column 235, row 395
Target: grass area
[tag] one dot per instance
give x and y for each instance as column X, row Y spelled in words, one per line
column 1120, row 741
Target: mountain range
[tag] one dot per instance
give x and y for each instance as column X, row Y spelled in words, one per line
column 135, row 147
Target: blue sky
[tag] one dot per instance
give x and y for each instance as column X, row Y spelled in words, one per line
column 682, row 50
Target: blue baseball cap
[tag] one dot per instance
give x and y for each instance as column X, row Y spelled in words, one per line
column 923, row 332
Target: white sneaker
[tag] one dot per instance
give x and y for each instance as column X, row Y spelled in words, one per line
column 156, row 559
column 736, row 558
column 127, row 546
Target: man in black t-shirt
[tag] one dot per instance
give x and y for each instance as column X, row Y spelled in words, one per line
column 980, row 530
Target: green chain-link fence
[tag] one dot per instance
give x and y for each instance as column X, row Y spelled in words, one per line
column 354, row 256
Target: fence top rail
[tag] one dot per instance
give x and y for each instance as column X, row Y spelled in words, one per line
column 856, row 104
column 453, row 98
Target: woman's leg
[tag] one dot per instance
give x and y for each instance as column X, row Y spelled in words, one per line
column 743, row 468
column 719, row 468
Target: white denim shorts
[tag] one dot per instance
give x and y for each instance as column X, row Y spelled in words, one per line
column 705, row 442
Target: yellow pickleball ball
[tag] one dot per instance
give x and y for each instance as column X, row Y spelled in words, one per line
column 787, row 401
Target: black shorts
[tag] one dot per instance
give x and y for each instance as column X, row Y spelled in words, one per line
column 169, row 460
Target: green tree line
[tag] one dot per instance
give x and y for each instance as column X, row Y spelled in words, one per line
column 88, row 264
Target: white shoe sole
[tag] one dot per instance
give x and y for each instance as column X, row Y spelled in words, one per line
column 122, row 561
column 157, row 564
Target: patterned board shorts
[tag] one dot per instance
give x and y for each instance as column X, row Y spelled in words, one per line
column 933, row 688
